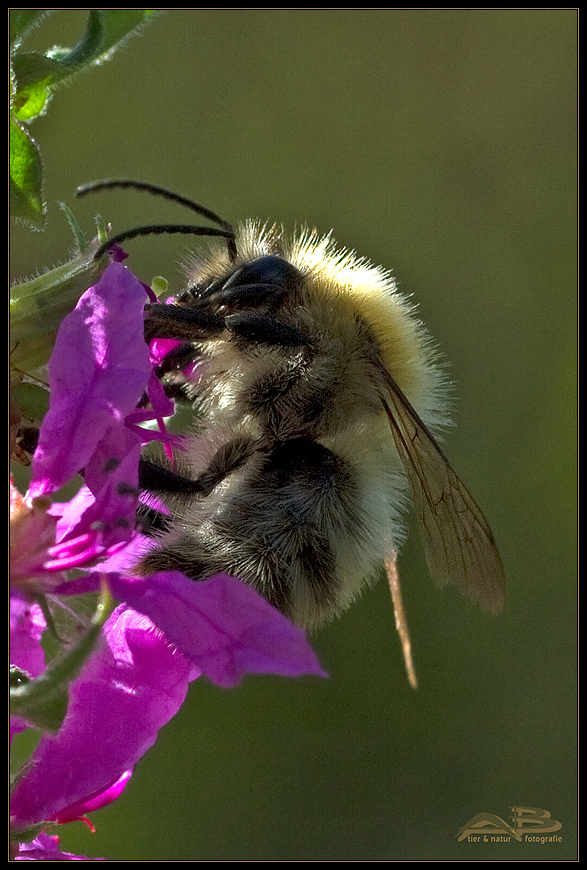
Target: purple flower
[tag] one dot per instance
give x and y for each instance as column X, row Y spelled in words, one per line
column 131, row 686
column 168, row 629
column 98, row 372
column 138, row 678
column 46, row 848
column 32, row 537
column 47, row 540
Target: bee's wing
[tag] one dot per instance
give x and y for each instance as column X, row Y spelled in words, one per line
column 458, row 542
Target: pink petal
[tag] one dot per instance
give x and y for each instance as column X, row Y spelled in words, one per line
column 129, row 688
column 98, row 372
column 222, row 625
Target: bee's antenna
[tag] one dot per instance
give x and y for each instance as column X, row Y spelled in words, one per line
column 226, row 232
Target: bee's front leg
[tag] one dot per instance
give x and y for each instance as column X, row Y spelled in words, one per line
column 184, row 323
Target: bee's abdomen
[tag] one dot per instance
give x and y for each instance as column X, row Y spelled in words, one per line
column 276, row 524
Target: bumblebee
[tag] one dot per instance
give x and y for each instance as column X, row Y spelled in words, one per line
column 322, row 397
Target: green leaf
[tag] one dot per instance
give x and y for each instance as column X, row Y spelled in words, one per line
column 26, row 174
column 38, row 74
column 33, row 78
column 32, row 400
column 31, row 101
column 121, row 24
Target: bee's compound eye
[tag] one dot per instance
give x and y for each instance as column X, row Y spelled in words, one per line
column 256, row 283
column 269, row 270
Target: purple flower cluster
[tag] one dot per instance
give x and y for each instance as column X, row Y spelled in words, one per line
column 167, row 630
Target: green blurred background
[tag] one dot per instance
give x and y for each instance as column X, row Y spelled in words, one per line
column 442, row 144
